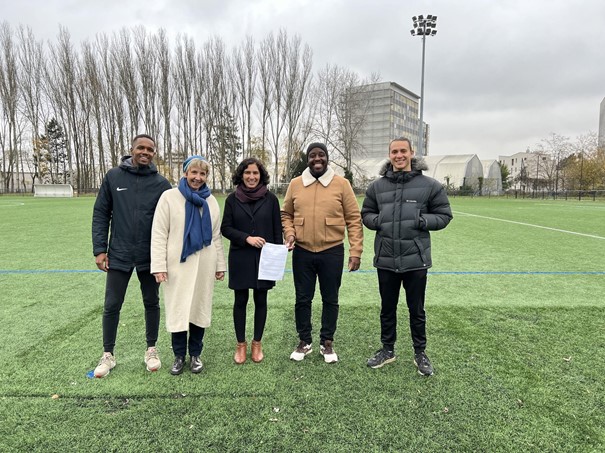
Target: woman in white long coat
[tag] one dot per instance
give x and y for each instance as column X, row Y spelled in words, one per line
column 187, row 257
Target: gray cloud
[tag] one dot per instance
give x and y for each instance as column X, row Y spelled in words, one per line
column 499, row 75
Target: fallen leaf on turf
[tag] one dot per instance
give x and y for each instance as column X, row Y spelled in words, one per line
column 55, row 397
column 519, row 403
column 567, row 359
column 190, row 426
column 276, row 409
column 445, row 410
column 273, row 420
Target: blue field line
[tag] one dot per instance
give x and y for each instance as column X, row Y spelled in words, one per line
column 372, row 271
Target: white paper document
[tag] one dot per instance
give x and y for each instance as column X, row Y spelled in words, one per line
column 272, row 262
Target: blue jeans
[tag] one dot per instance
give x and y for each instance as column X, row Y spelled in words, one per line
column 308, row 267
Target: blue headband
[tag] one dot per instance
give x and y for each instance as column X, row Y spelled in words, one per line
column 189, row 160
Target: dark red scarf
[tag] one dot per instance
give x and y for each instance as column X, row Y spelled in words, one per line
column 245, row 195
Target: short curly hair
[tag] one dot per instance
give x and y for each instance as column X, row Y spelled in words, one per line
column 239, row 171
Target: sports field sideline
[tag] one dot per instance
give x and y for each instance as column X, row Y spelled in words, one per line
column 516, row 330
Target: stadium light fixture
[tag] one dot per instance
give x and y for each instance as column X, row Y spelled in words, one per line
column 423, row 27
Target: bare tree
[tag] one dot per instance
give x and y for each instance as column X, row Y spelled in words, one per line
column 9, row 98
column 217, row 103
column 296, row 92
column 278, row 56
column 245, row 74
column 162, row 50
column 551, row 151
column 185, row 71
column 147, row 71
column 265, row 87
column 31, row 62
column 127, row 75
column 61, row 86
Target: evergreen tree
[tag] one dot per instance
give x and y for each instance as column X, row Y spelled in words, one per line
column 54, row 152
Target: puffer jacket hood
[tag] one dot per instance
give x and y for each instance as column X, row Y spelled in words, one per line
column 144, row 170
column 418, row 165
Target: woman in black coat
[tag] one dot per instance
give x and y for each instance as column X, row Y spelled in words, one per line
column 251, row 218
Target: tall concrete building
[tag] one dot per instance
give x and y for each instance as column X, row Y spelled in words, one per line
column 602, row 125
column 390, row 111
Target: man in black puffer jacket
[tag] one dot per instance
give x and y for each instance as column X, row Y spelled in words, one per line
column 402, row 207
column 126, row 203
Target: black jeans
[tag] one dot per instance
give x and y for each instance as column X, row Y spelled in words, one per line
column 308, row 267
column 414, row 284
column 195, row 343
column 115, row 290
column 239, row 313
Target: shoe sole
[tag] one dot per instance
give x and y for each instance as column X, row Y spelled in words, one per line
column 303, row 357
column 421, row 373
column 101, row 376
column 176, row 374
column 326, row 359
column 380, row 365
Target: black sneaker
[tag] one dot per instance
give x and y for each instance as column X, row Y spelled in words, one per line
column 381, row 358
column 423, row 363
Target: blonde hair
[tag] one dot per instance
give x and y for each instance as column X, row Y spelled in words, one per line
column 198, row 163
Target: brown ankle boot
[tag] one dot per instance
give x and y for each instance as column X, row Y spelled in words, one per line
column 241, row 350
column 256, row 351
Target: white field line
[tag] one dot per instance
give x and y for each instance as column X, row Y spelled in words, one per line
column 532, row 225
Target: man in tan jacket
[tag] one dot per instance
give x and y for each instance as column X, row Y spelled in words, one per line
column 318, row 207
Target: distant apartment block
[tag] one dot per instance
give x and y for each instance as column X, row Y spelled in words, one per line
column 390, row 111
column 526, row 168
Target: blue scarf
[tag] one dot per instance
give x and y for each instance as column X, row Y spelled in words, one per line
column 198, row 229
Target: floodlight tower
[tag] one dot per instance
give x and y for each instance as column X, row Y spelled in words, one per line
column 423, row 27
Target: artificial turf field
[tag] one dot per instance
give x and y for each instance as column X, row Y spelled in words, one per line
column 516, row 333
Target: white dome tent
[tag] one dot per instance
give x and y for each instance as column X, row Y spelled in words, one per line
column 456, row 171
column 492, row 178
column 453, row 171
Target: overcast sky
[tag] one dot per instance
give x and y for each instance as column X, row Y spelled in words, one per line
column 500, row 74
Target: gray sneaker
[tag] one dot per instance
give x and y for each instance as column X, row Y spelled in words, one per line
column 381, row 358
column 423, row 364
column 106, row 364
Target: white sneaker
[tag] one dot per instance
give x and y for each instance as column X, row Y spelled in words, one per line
column 152, row 359
column 106, row 364
column 328, row 352
column 301, row 351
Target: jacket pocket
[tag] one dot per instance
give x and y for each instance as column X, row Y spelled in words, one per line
column 421, row 251
column 299, row 228
column 335, row 229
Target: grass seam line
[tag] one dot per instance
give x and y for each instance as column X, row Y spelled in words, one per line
column 594, row 236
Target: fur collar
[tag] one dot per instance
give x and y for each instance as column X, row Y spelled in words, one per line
column 418, row 164
column 325, row 179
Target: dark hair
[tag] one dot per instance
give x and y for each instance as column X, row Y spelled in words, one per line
column 142, row 136
column 239, row 171
column 402, row 139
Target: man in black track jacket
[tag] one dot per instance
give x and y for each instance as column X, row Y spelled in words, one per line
column 402, row 207
column 121, row 237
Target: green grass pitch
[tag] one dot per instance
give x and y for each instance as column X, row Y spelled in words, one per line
column 516, row 332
